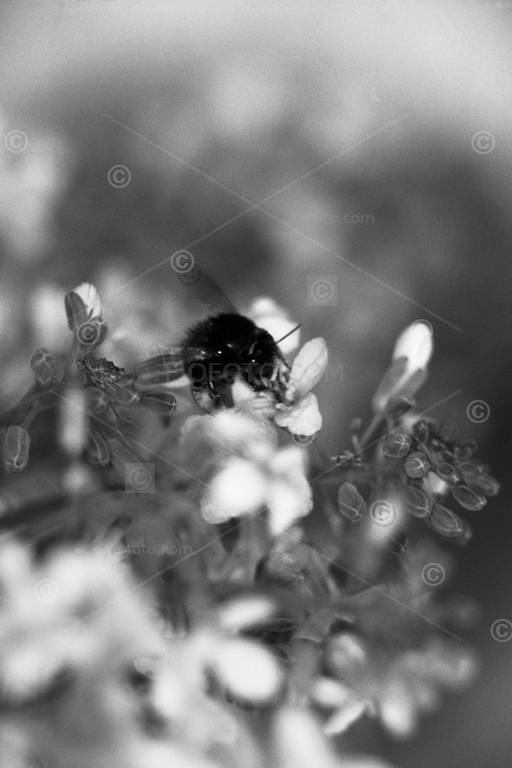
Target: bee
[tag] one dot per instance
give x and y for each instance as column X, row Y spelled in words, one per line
column 219, row 349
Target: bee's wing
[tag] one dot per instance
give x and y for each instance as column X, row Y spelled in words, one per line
column 167, row 366
column 199, row 297
column 162, row 368
column 203, row 295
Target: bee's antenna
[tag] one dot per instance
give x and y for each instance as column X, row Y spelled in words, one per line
column 289, row 333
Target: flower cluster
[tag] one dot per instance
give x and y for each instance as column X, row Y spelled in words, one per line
column 418, row 461
column 92, row 392
column 241, row 613
column 436, row 465
column 246, row 471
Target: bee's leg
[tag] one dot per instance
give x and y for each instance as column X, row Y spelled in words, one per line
column 281, row 378
column 212, row 390
column 220, row 393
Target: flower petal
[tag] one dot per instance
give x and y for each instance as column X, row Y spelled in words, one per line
column 415, row 343
column 286, row 505
column 90, row 298
column 299, row 741
column 246, row 612
column 228, row 433
column 289, row 495
column 302, row 418
column 236, row 491
column 247, row 670
column 309, row 365
column 347, row 714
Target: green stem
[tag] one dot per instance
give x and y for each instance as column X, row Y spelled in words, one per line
column 370, row 431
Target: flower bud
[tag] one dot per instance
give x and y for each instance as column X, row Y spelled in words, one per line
column 43, row 366
column 468, row 498
column 98, row 450
column 418, row 502
column 416, row 465
column 448, row 473
column 416, row 345
column 16, row 448
column 350, row 502
column 446, row 522
column 412, row 352
column 485, row 484
column 82, row 304
column 396, row 445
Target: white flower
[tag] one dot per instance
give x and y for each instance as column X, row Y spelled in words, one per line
column 90, row 298
column 274, row 319
column 243, row 487
column 412, row 352
column 302, row 416
column 214, row 437
column 253, row 473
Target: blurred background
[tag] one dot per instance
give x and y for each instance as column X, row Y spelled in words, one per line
column 351, row 160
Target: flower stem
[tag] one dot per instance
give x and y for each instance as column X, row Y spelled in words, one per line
column 370, row 431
